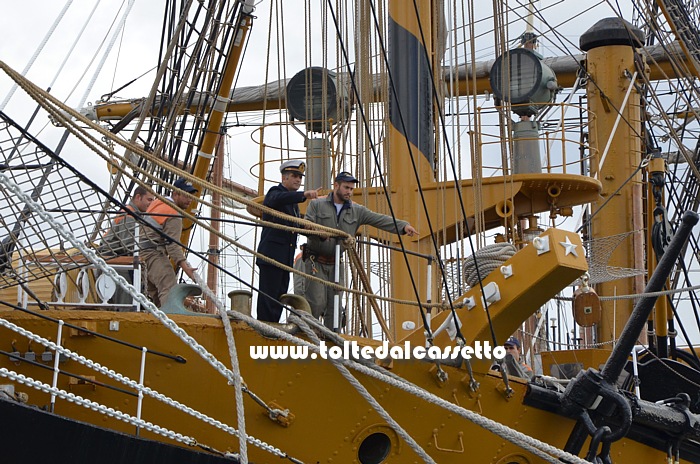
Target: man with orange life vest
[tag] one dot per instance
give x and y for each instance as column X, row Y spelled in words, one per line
column 512, row 346
column 160, row 242
column 121, row 238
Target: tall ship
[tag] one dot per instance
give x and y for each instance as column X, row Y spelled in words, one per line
column 546, row 152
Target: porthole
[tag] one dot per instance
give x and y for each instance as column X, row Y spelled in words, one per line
column 374, row 449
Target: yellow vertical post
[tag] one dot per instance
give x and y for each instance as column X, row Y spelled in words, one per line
column 213, row 253
column 615, row 130
column 410, row 134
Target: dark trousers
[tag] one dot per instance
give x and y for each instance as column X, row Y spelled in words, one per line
column 274, row 282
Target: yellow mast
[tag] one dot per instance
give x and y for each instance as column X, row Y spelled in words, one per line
column 616, row 127
column 410, row 141
column 211, row 135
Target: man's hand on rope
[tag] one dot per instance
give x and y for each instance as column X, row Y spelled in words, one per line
column 188, row 269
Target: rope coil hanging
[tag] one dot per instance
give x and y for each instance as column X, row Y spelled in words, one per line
column 486, row 259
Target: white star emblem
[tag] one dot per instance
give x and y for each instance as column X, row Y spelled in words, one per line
column 569, row 247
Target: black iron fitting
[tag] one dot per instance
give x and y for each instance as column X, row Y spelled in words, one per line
column 590, row 394
column 593, row 396
column 692, row 421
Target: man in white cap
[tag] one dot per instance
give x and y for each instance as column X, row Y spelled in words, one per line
column 279, row 244
column 338, row 211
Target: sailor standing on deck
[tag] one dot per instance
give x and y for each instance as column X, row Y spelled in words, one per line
column 279, row 244
column 339, row 212
column 121, row 238
column 160, row 242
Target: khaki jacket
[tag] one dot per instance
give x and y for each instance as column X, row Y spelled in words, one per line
column 120, row 238
column 161, row 215
column 352, row 216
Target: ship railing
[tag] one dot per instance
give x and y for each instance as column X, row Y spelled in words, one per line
column 58, row 356
column 557, row 144
column 79, row 286
column 554, row 141
column 384, row 275
column 76, row 283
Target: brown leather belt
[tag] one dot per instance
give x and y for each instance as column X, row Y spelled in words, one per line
column 323, row 259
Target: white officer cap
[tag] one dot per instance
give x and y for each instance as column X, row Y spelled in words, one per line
column 293, row 166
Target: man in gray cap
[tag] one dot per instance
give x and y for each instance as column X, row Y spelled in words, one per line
column 339, row 212
column 279, row 244
column 160, row 242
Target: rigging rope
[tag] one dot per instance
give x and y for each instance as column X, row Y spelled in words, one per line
column 487, row 259
column 235, row 366
column 33, row 58
column 531, row 444
column 129, row 382
column 140, row 298
column 110, row 412
column 113, row 40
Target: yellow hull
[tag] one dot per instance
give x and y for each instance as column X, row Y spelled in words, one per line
column 330, row 419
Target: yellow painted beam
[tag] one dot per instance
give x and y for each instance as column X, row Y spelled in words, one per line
column 535, row 278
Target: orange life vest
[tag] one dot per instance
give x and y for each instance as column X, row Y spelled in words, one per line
column 121, row 216
column 159, row 211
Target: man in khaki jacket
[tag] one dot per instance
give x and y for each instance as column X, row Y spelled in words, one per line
column 338, row 211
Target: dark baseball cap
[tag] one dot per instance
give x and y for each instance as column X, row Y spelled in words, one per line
column 345, row 176
column 512, row 341
column 185, row 185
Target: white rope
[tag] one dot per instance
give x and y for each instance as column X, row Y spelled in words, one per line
column 47, row 36
column 140, row 298
column 110, row 412
column 105, row 55
column 135, row 385
column 237, row 379
column 367, row 396
column 87, row 22
column 642, row 295
column 486, row 259
column 518, row 438
column 636, row 296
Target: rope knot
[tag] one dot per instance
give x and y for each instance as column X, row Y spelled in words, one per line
column 349, row 243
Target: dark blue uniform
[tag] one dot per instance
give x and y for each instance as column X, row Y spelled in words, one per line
column 279, row 245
